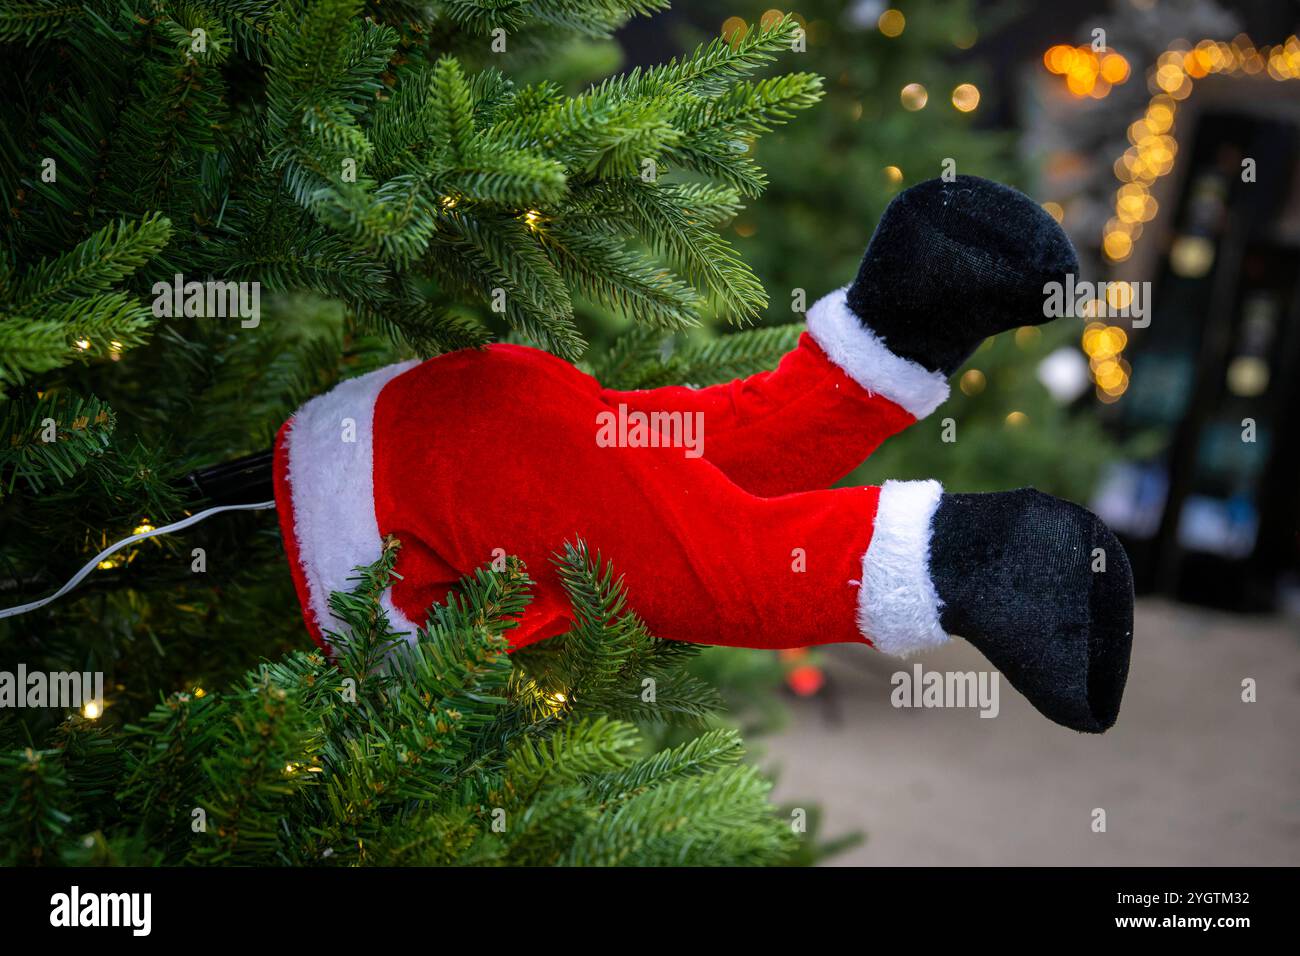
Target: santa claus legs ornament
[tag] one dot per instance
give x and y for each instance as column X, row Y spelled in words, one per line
column 715, row 503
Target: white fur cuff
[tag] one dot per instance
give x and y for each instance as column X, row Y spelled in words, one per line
column 867, row 360
column 330, row 445
column 898, row 607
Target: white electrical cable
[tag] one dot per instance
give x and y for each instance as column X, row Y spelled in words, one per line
column 118, row 546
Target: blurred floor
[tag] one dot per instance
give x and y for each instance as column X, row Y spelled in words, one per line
column 1190, row 775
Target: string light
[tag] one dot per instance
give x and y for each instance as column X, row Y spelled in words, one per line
column 1086, row 73
column 555, row 701
column 108, row 557
column 121, row 560
column 295, row 767
column 92, row 710
column 1151, row 154
column 1104, row 346
column 1153, row 146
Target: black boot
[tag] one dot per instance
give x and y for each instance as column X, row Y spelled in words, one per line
column 1043, row 589
column 952, row 263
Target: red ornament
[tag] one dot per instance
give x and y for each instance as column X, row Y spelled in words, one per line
column 806, row 680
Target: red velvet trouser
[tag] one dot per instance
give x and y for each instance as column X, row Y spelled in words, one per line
column 729, row 535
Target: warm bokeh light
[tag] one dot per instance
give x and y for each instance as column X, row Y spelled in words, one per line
column 1104, row 346
column 1133, row 204
column 1114, row 68
column 894, row 175
column 914, row 97
column 891, row 23
column 1118, row 246
column 1028, row 335
column 966, row 97
column 1119, row 296
column 1170, row 77
column 1247, row 376
column 1081, row 81
column 1090, row 333
column 1102, row 342
column 1100, row 89
column 1055, row 210
column 1059, row 59
column 1086, row 73
column 1191, row 256
column 734, row 29
column 1160, row 115
column 1108, row 374
column 972, row 382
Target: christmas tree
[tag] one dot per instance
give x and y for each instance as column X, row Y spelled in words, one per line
column 349, row 184
column 905, row 94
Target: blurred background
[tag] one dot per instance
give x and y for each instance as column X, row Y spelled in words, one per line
column 1163, row 135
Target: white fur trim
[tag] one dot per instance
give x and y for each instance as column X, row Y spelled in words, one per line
column 332, row 486
column 865, row 357
column 898, row 607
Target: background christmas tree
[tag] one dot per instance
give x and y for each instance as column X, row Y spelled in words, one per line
column 387, row 174
column 904, row 102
